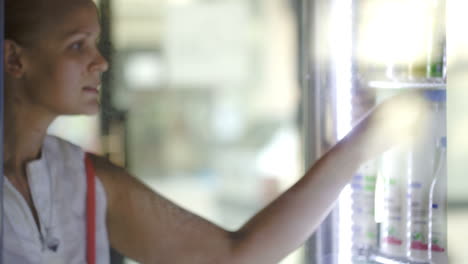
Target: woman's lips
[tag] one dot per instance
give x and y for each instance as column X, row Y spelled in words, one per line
column 91, row 89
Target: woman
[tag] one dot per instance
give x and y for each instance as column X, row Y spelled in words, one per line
column 53, row 67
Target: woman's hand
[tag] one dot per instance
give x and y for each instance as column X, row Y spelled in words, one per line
column 395, row 121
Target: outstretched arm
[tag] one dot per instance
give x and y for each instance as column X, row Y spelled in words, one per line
column 145, row 226
column 288, row 221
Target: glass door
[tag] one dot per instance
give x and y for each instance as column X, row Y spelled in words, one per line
column 356, row 54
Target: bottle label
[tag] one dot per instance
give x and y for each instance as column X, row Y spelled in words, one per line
column 419, row 229
column 438, row 230
column 437, row 243
column 417, row 216
column 419, row 241
column 364, row 228
column 392, row 236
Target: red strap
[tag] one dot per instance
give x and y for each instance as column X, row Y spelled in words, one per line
column 90, row 212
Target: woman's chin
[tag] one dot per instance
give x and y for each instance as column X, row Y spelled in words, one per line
column 91, row 113
column 90, row 109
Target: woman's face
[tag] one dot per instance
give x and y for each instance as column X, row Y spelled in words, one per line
column 63, row 68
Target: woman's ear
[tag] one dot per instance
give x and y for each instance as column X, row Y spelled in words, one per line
column 12, row 59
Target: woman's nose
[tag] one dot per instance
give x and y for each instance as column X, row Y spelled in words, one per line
column 100, row 63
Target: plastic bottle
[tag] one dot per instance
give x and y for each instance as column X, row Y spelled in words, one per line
column 421, row 165
column 436, row 57
column 364, row 226
column 422, row 27
column 429, row 63
column 438, row 209
column 390, row 207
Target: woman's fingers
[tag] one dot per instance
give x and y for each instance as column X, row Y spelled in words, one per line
column 395, row 121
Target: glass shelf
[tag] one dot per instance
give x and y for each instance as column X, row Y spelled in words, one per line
column 373, row 256
column 382, row 259
column 420, row 84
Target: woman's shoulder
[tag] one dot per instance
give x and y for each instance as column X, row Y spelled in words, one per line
column 116, row 180
column 63, row 155
column 52, row 139
column 59, row 148
column 112, row 176
column 71, row 153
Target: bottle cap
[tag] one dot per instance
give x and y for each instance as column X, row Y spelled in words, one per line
column 436, row 95
column 443, row 142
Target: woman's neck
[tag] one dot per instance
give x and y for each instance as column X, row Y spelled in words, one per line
column 24, row 131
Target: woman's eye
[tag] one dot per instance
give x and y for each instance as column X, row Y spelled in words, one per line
column 77, row 45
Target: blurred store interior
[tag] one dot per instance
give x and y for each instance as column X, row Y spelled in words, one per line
column 203, row 103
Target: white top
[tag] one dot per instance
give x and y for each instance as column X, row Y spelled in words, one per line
column 58, row 187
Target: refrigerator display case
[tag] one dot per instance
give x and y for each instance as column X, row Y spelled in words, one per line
column 356, row 54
